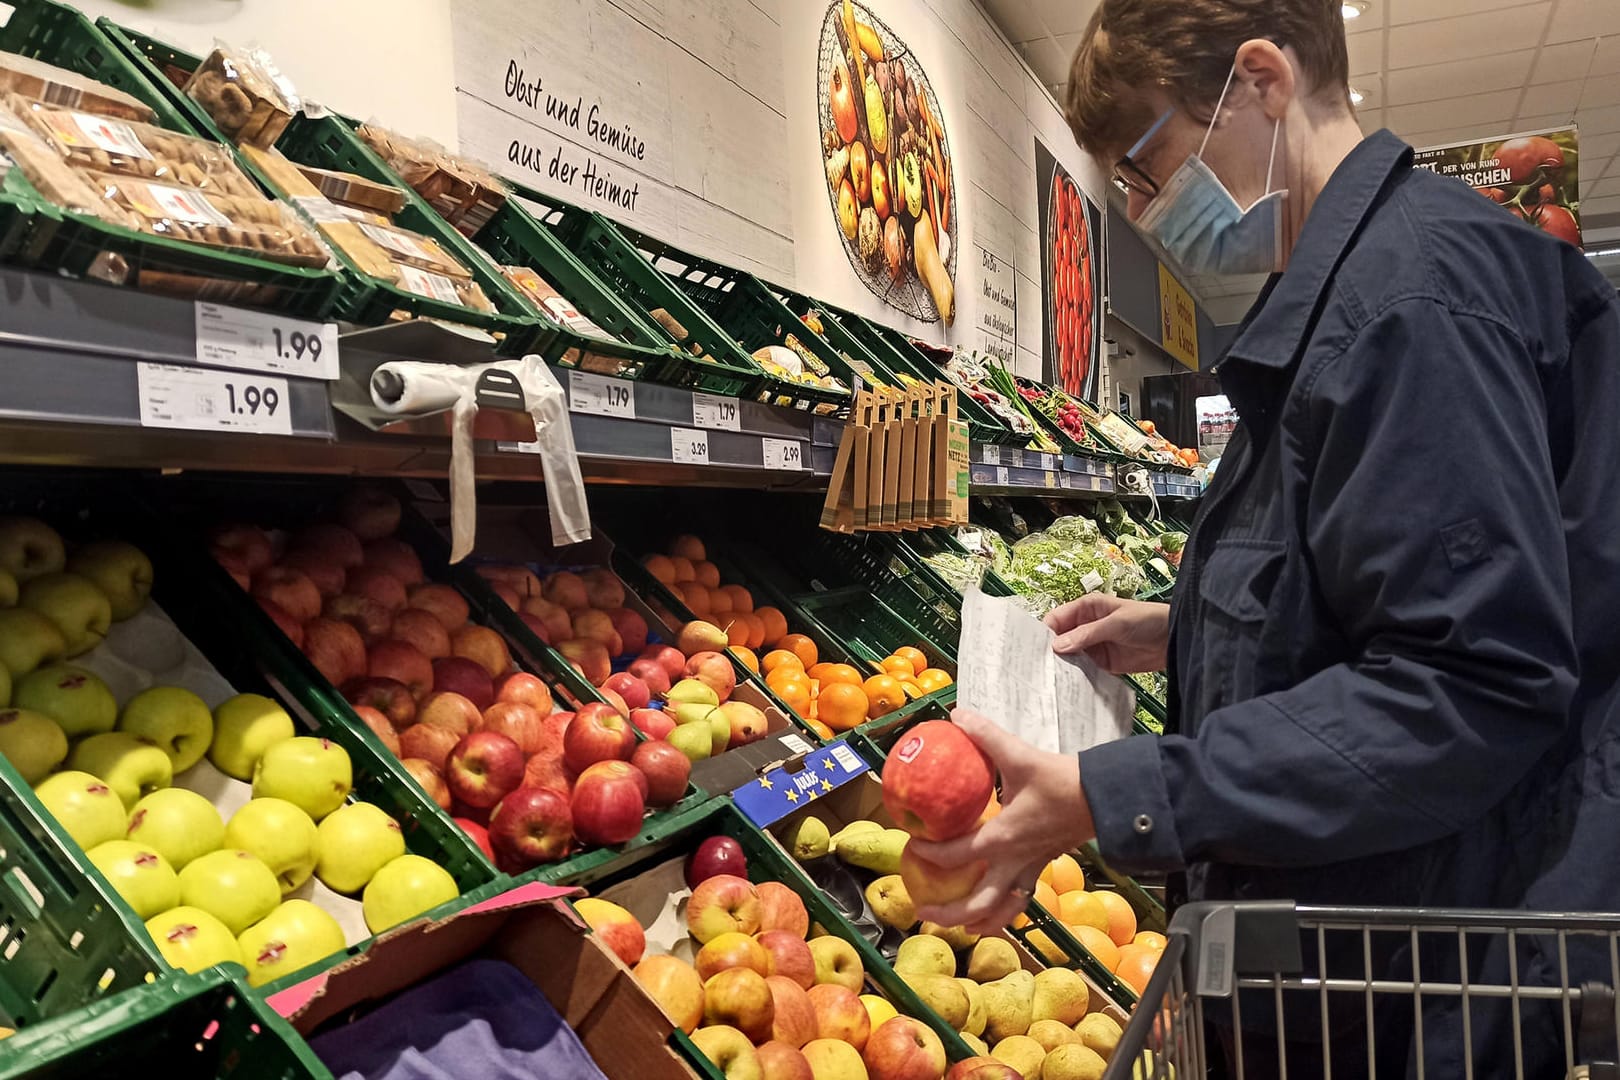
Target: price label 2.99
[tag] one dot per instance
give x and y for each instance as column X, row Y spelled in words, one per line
column 719, row 413
column 199, row 399
column 784, row 454
column 601, row 396
column 260, row 341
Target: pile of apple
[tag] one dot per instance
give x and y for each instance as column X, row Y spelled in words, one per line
column 760, row 1001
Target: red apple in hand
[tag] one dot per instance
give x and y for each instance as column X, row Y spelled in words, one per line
column 653, row 723
column 289, row 589
column 424, row 742
column 369, row 512
column 652, row 675
column 634, row 692
column 597, row 733
column 404, row 664
column 521, row 723
column 608, row 803
column 718, row 855
column 484, row 768
column 331, row 542
column 443, row 603
column 715, row 671
column 671, row 659
column 450, row 711
column 530, row 826
column 422, row 629
column 395, row 557
column 385, row 696
column 363, row 613
column 335, row 648
column 667, row 771
column 291, row 627
column 431, row 780
column 327, row 575
column 459, row 675
column 479, row 834
column 525, row 689
column 381, row 726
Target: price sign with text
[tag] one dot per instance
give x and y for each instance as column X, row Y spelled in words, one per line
column 601, row 396
column 785, row 454
column 260, row 341
column 200, row 399
column 1001, row 475
column 718, row 413
column 688, row 447
column 990, row 455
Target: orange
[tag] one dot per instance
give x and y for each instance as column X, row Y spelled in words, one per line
column 838, row 673
column 1098, row 944
column 697, row 599
column 1081, row 908
column 1121, row 919
column 736, row 630
column 741, row 598
column 913, row 691
column 842, row 707
column 991, row 809
column 1045, row 897
column 719, row 600
column 708, row 574
column 756, row 627
column 932, row 679
column 821, row 729
column 660, row 568
column 775, row 625
column 899, row 666
column 781, row 657
column 746, row 655
column 1064, row 874
column 684, row 570
column 1136, row 964
column 795, row 694
column 689, row 547
column 786, row 674
column 802, row 647
column 1150, row 939
column 885, row 694
column 912, row 655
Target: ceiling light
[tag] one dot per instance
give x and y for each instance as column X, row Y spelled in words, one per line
column 1352, row 9
column 1356, row 96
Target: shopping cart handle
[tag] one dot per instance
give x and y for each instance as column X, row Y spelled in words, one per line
column 1596, row 1043
column 1229, row 938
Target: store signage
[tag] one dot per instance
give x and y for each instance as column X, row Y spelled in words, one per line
column 998, row 308
column 719, row 413
column 688, row 447
column 1178, row 319
column 601, row 396
column 783, row 454
column 261, row 341
column 1533, row 175
column 202, row 399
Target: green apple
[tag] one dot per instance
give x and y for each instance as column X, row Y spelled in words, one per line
column 720, row 729
column 245, row 726
column 180, row 824
column 140, row 875
column 85, row 806
column 8, row 588
column 32, row 742
column 191, row 939
column 696, row 741
column 131, row 767
column 121, row 571
column 313, row 774
column 29, row 548
column 355, row 842
column 289, row 939
column 173, row 718
column 80, row 610
column 27, row 640
column 232, row 885
column 281, row 834
column 74, row 697
column 404, row 889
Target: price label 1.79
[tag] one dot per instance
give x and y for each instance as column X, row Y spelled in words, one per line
column 718, row 413
column 688, row 447
column 200, row 399
column 601, row 396
column 784, row 454
column 259, row 341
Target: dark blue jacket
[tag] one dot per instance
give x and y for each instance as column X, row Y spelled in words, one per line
column 1395, row 638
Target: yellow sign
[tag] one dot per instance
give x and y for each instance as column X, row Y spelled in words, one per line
column 1178, row 320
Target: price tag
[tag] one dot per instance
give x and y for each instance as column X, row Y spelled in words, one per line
column 601, row 396
column 794, row 743
column 990, row 455
column 199, row 399
column 719, row 413
column 259, row 341
column 786, row 454
column 846, row 757
column 1001, row 476
column 1051, row 479
column 1091, row 581
column 688, row 447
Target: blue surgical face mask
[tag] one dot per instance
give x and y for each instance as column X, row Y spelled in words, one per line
column 1201, row 225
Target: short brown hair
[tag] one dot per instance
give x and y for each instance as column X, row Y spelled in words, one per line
column 1186, row 47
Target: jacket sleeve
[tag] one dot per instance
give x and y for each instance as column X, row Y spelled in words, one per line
column 1434, row 530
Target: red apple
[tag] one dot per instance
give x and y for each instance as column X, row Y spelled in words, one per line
column 843, row 99
column 484, row 768
column 789, row 957
column 795, row 1021
column 651, row 673
column 595, row 625
column 779, row 1061
column 521, row 723
column 327, row 575
column 532, row 825
column 546, row 769
column 614, row 927
column 553, row 728
column 428, row 743
column 671, row 659
column 403, row 663
column 363, row 613
column 380, row 726
column 379, row 585
column 526, row 689
column 459, row 675
column 332, row 542
column 394, row 556
column 731, row 950
column 520, row 579
column 508, row 595
column 290, row 589
column 632, row 629
column 485, row 647
column 715, row 671
column 284, row 622
column 431, row 780
column 445, row 604
column 335, row 648
column 653, row 723
column 591, row 657
column 904, row 1049
column 612, row 697
column 369, row 512
column 423, row 630
column 559, row 626
column 233, row 564
column 634, row 692
column 739, row 998
column 247, row 547
column 386, row 696
column 781, row 909
column 479, row 834
column 598, row 733
column 667, row 771
column 937, row 781
column 715, row 856
column 566, row 590
column 450, row 711
column 608, row 804
column 536, row 627
column 675, row 985
column 603, row 590
column 722, row 904
column 840, row 1014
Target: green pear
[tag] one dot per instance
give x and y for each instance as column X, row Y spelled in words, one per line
column 178, row 824
column 233, row 885
column 1009, row 1006
column 878, row 851
column 892, row 904
column 311, row 773
column 289, row 939
column 957, row 937
column 34, row 744
column 86, row 807
column 696, row 741
column 356, row 841
column 173, row 718
column 1061, row 994
column 942, row 994
column 926, row 955
column 694, row 712
column 80, row 610
column 191, row 939
column 281, row 834
column 975, row 1018
column 719, row 731
column 854, row 828
column 140, row 875
column 121, row 571
column 27, row 640
column 130, row 766
column 808, row 838
column 77, row 699
column 1022, row 1053
column 692, row 692
column 407, row 887
column 991, row 959
column 245, row 726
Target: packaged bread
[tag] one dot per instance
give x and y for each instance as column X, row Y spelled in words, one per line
column 244, row 93
column 464, row 193
column 348, row 189
column 463, row 291
column 51, row 176
column 253, row 226
column 339, row 231
column 413, row 249
column 40, row 81
column 558, row 307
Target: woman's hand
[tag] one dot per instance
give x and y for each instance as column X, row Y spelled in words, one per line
column 1044, row 813
column 1121, row 636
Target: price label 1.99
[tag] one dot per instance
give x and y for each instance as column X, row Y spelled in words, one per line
column 718, row 413
column 688, row 447
column 784, row 454
column 200, row 399
column 601, row 396
column 259, row 341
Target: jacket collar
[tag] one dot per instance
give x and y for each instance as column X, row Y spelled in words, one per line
column 1280, row 319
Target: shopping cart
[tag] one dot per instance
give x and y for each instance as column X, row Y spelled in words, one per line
column 1250, row 990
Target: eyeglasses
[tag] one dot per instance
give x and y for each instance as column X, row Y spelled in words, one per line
column 1130, row 177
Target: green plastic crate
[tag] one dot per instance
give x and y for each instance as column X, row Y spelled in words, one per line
column 189, row 1027
column 862, row 360
column 872, row 628
column 1074, row 955
column 892, row 571
column 84, row 246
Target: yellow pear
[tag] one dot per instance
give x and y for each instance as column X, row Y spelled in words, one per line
column 1061, row 994
column 1009, row 1003
column 940, row 993
column 1022, row 1053
column 1051, row 1034
column 1073, row 1062
column 891, row 903
column 1100, row 1033
column 925, row 954
column 975, row 1020
column 808, row 839
column 957, row 937
column 992, row 958
column 975, row 1044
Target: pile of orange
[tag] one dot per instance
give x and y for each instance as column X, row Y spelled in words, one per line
column 1101, row 920
column 695, row 582
column 838, row 697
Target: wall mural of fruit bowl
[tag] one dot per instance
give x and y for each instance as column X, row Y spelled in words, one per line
column 888, row 164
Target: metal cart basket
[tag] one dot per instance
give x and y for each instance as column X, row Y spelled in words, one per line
column 1277, row 990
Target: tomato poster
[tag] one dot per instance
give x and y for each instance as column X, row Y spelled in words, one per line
column 1534, row 175
column 1071, row 278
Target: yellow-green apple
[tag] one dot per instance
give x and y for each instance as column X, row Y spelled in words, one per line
column 667, row 771
column 729, row 950
column 597, row 733
column 698, row 636
column 566, row 590
column 363, row 613
column 592, row 625
column 279, row 833
column 329, row 577
column 313, row 774
column 86, row 807
column 675, row 985
column 442, row 602
column 693, row 740
column 289, row 626
column 833, row 1059
column 172, row 718
column 191, row 939
column 715, row 671
column 335, row 542
column 840, row 1014
column 140, row 875
column 423, row 630
column 394, row 556
column 671, row 659
column 459, row 675
column 245, row 726
column 533, row 825
column 739, row 997
column 931, row 885
column 782, row 909
column 386, row 696
column 379, row 585
column 609, row 802
column 484, row 647
column 794, row 1021
column 80, row 610
column 779, row 1061
column 76, row 698
column 428, row 776
column 614, row 927
column 380, row 726
column 29, row 548
column 692, row 692
column 483, row 768
column 635, row 693
column 290, row 590
column 429, row 743
column 402, row 662
column 289, row 939
column 652, row 675
column 32, row 742
column 789, row 955
column 723, row 903
column 478, row 834
column 406, row 887
column 653, row 723
column 522, row 688
column 233, row 885
column 837, row 963
column 559, row 626
column 632, row 629
column 879, row 1009
column 130, row 766
column 714, row 856
column 335, row 648
column 521, row 723
column 8, row 588
column 178, row 824
column 247, row 546
column 120, row 570
column 369, row 512
column 746, row 723
column 904, row 1049
column 937, row 781
column 730, row 1051
column 589, row 656
column 356, row 841
column 27, row 640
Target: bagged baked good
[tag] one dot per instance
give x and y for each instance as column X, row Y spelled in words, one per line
column 348, row 189
column 256, row 226
column 245, row 94
column 463, row 192
column 414, row 249
column 57, row 86
column 463, row 291
column 51, row 176
column 558, row 307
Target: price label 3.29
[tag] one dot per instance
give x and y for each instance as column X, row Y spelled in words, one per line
column 601, row 396
column 200, row 399
column 718, row 413
column 688, row 447
column 259, row 341
column 784, row 454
